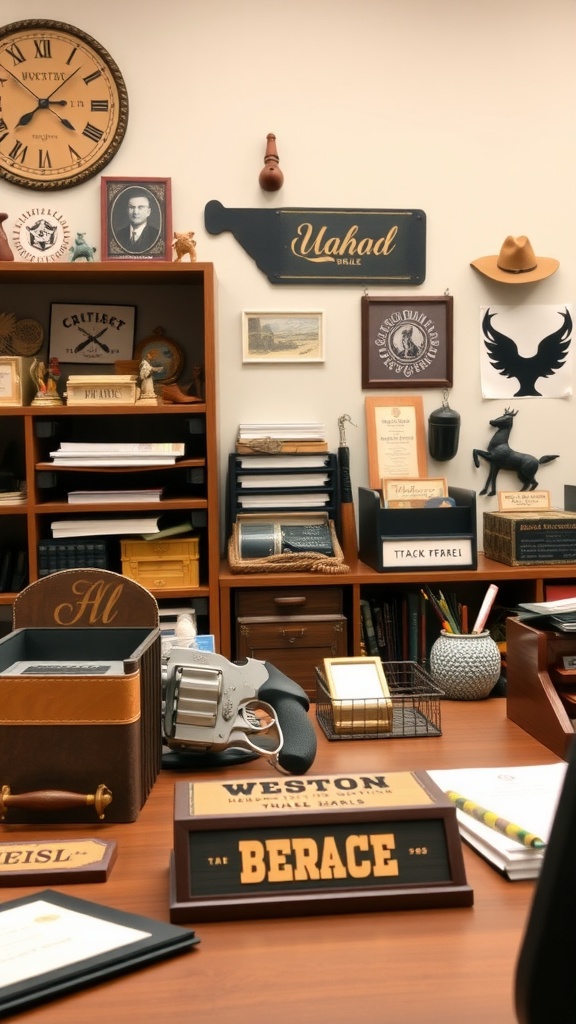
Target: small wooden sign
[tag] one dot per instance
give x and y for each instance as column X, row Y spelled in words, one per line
column 523, row 501
column 283, row 846
column 49, row 862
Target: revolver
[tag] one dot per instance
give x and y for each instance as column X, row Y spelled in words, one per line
column 213, row 705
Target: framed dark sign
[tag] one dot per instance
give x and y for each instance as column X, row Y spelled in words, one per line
column 406, row 342
column 293, row 245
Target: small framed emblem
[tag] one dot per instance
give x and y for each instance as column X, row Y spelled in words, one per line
column 407, row 343
column 91, row 334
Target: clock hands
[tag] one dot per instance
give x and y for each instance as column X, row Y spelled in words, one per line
column 92, row 337
column 44, row 104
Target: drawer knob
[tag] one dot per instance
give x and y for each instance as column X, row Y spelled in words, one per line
column 293, row 602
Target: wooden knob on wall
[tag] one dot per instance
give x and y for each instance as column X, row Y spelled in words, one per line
column 271, row 177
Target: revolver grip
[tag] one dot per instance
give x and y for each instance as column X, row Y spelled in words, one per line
column 291, row 705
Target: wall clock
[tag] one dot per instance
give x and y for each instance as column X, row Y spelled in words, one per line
column 63, row 105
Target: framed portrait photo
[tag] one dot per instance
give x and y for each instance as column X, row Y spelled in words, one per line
column 136, row 215
column 407, row 342
column 282, row 337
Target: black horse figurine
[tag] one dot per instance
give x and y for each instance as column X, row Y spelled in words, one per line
column 501, row 456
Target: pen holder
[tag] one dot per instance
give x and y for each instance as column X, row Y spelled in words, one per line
column 466, row 666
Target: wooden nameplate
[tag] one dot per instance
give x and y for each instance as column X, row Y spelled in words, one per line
column 43, row 862
column 284, row 846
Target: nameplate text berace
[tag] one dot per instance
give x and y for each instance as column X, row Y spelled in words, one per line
column 284, row 846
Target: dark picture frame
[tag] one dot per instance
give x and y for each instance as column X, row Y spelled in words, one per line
column 407, row 342
column 150, row 200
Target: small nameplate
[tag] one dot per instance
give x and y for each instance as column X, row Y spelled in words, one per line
column 522, row 501
column 425, row 552
column 270, row 847
column 43, row 862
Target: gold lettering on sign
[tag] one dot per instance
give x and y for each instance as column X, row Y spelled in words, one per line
column 96, row 602
column 319, row 249
column 287, row 859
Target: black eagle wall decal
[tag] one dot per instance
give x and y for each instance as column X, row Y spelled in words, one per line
column 549, row 356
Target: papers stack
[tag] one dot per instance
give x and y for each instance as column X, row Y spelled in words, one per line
column 281, row 437
column 72, row 454
column 527, row 796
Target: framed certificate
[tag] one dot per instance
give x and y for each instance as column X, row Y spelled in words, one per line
column 396, row 438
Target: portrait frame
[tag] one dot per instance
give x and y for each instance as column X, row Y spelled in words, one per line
column 115, row 195
column 283, row 337
column 396, row 438
column 407, row 342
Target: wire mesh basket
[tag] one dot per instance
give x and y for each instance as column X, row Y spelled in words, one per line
column 415, row 707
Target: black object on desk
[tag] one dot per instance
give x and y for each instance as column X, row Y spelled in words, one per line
column 544, row 986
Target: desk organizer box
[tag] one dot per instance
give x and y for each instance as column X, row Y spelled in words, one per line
column 415, row 707
column 438, row 538
column 83, row 731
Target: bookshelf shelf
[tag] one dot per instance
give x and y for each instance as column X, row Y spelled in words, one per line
column 178, row 297
column 516, row 584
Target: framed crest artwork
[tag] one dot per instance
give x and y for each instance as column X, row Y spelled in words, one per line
column 407, row 343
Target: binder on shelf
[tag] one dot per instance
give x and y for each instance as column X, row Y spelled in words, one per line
column 401, row 540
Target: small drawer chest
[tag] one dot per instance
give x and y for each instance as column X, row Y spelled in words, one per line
column 294, row 628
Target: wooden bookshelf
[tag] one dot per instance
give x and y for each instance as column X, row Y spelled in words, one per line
column 180, row 298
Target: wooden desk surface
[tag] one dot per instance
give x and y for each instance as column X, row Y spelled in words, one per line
column 437, row 966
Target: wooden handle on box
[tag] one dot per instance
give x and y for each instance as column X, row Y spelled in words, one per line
column 54, row 800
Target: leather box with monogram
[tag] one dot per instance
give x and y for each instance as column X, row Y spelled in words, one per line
column 80, row 723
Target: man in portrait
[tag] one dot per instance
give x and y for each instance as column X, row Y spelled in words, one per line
column 140, row 232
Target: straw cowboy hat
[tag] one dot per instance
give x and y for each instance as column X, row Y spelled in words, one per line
column 516, row 263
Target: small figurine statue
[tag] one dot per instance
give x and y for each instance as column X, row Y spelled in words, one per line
column 46, row 379
column 6, row 254
column 184, row 244
column 146, row 391
column 80, row 250
column 499, row 456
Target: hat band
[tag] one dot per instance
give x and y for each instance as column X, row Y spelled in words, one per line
column 523, row 270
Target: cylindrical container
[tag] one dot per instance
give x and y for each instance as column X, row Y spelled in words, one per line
column 443, row 433
column 259, row 540
column 466, row 666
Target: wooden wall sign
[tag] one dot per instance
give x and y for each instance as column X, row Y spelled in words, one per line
column 277, row 847
column 302, row 246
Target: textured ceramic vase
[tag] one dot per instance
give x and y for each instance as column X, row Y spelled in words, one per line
column 466, row 666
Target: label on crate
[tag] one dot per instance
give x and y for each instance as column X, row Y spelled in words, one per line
column 429, row 552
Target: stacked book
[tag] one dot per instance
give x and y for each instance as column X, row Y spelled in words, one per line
column 281, row 437
column 17, row 497
column 148, row 527
column 78, row 454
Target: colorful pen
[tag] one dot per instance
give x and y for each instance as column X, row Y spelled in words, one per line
column 492, row 820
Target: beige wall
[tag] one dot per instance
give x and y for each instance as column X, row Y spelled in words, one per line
column 464, row 108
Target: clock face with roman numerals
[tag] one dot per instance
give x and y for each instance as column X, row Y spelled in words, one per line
column 63, row 105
